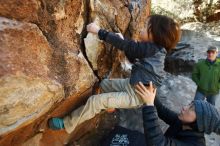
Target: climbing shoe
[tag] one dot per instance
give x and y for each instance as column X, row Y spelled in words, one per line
column 56, row 123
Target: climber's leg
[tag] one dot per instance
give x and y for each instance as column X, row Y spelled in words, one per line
column 95, row 104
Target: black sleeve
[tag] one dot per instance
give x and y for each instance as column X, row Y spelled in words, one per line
column 131, row 48
column 152, row 131
column 165, row 114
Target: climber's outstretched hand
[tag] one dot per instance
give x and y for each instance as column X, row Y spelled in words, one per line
column 93, row 28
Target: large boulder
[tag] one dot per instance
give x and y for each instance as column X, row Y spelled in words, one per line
column 42, row 66
column 27, row 90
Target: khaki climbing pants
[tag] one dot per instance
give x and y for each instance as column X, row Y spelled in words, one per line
column 116, row 93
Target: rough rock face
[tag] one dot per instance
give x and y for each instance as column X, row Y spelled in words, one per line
column 24, row 49
column 20, row 10
column 23, row 99
column 185, row 10
column 115, row 16
column 26, row 91
column 34, row 141
column 44, row 70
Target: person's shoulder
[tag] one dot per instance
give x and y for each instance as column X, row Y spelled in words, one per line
column 201, row 61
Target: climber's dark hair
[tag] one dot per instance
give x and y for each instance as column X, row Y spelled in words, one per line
column 164, row 30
